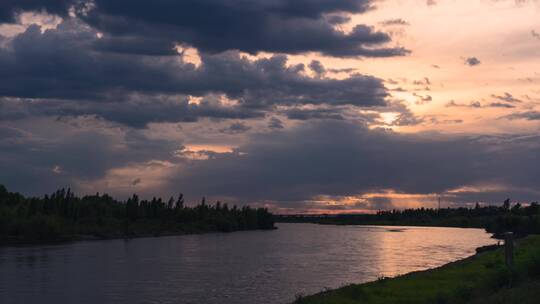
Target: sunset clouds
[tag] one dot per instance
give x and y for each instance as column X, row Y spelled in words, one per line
column 286, row 102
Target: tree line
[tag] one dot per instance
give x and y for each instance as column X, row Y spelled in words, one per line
column 517, row 218
column 63, row 215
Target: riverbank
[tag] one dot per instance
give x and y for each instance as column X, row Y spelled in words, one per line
column 482, row 278
column 89, row 237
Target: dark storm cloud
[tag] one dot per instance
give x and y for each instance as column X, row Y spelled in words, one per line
column 252, row 26
column 61, row 64
column 372, row 116
column 37, row 163
column 283, row 166
column 338, row 19
column 67, row 70
column 318, row 113
column 219, row 25
column 311, row 160
column 135, row 45
column 138, row 111
column 135, row 111
column 317, row 68
column 472, row 61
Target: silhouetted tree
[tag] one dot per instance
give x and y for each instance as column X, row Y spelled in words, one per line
column 63, row 215
column 506, row 204
column 180, row 202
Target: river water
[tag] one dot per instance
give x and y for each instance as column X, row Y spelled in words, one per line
column 266, row 267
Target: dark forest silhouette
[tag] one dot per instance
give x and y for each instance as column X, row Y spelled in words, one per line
column 519, row 219
column 65, row 216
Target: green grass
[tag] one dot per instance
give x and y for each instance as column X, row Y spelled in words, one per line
column 483, row 278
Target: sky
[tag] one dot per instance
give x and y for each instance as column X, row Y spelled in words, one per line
column 305, row 106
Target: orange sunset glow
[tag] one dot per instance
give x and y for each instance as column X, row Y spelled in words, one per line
column 389, row 93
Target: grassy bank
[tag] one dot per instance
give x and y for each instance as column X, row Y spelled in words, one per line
column 483, row 278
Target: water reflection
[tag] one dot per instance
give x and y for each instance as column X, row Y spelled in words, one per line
column 243, row 267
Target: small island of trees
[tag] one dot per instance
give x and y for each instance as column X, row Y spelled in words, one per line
column 63, row 216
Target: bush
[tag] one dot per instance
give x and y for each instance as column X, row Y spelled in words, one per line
column 533, row 267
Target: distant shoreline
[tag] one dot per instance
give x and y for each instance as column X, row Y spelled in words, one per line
column 85, row 238
column 392, row 224
column 494, row 235
column 521, row 220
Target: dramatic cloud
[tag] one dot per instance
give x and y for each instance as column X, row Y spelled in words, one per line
column 44, row 156
column 134, row 110
column 70, row 75
column 293, row 165
column 251, row 26
column 311, row 160
column 214, row 26
column 241, row 100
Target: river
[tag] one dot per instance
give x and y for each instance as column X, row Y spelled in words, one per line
column 255, row 267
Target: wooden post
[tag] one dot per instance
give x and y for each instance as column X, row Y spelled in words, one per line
column 509, row 249
column 509, row 255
